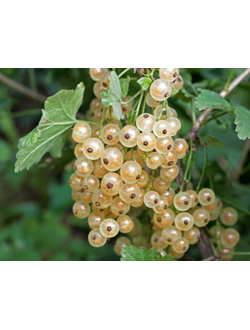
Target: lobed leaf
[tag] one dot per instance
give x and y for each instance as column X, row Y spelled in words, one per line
column 50, row 134
column 144, row 82
column 242, row 122
column 213, row 141
column 124, row 82
column 209, row 99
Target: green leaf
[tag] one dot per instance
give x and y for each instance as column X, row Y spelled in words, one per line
column 208, row 99
column 124, row 82
column 212, row 141
column 30, row 138
column 145, row 83
column 131, row 253
column 242, row 122
column 50, row 135
column 113, row 96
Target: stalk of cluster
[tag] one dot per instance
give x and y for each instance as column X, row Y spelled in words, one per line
column 124, row 169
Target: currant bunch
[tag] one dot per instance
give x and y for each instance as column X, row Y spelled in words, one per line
column 124, row 170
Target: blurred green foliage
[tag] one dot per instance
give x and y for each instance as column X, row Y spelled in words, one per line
column 36, row 222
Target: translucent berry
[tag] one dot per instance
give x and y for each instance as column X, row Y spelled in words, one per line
column 95, row 219
column 83, row 166
column 105, row 79
column 162, row 206
column 109, row 228
column 93, row 148
column 175, row 125
column 119, row 207
column 78, row 151
column 229, row 216
column 194, row 197
column 86, row 196
column 192, row 235
column 160, row 185
column 182, row 201
column 152, row 103
column 99, row 170
column 154, row 160
column 145, row 122
column 169, row 74
column 96, row 74
column 229, row 238
column 151, row 199
column 143, row 180
column 110, row 134
column 175, row 254
column 170, row 234
column 76, row 181
column 129, row 192
column 157, row 241
column 81, row 209
column 91, row 183
column 184, row 221
column 206, row 196
column 181, row 148
column 111, row 184
column 81, row 132
column 101, row 200
column 98, row 89
column 160, row 90
column 201, row 217
column 216, row 232
column 96, row 104
column 130, row 171
column 161, row 128
column 140, row 199
column 95, row 238
column 125, row 223
column 164, row 219
column 180, row 245
column 128, row 136
column 120, row 243
column 146, row 141
column 112, row 159
column 169, row 194
column 224, row 252
column 177, row 83
column 76, row 195
column 169, row 159
column 169, row 173
column 164, row 145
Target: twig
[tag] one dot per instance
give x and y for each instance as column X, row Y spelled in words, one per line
column 194, row 130
column 22, row 89
column 204, row 245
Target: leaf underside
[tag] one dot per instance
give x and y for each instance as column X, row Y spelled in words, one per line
column 131, row 253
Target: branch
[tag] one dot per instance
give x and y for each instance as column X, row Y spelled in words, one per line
column 192, row 134
column 22, row 89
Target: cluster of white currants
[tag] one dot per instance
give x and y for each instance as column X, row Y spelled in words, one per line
column 124, row 169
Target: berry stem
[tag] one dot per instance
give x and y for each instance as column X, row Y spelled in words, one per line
column 188, row 165
column 102, row 120
column 238, row 253
column 144, row 102
column 133, row 97
column 203, row 169
column 138, row 108
column 124, row 71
